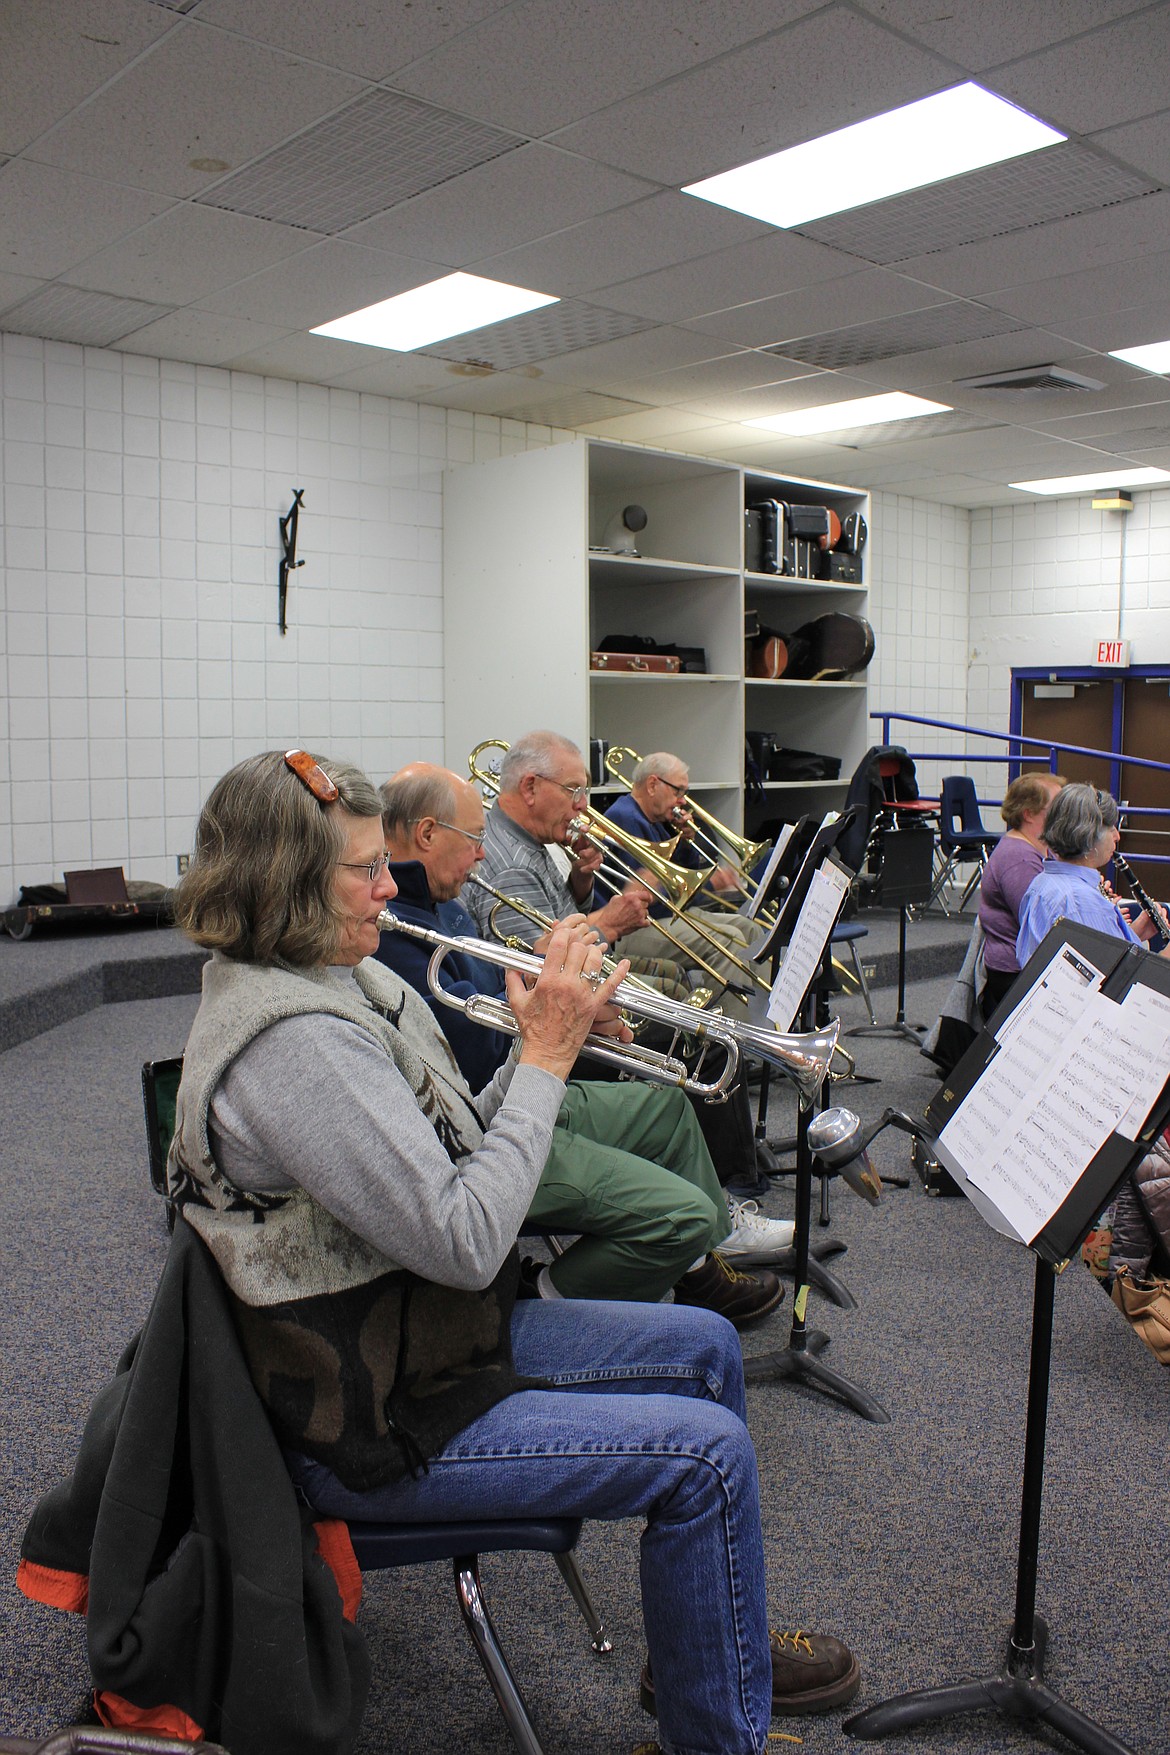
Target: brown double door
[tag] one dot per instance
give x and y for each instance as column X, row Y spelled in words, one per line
column 1087, row 717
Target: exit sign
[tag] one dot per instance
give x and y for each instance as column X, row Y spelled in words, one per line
column 1114, row 653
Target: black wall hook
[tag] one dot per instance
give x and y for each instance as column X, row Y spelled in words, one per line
column 288, row 559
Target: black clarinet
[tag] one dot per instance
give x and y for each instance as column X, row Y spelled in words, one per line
column 1154, row 909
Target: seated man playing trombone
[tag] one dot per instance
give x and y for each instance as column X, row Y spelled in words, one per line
column 656, row 809
column 543, row 806
column 628, row 1171
column 361, row 1206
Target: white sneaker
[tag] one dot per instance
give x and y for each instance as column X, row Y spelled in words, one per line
column 754, row 1238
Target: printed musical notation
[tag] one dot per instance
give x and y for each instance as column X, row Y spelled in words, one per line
column 1072, row 1068
column 818, row 917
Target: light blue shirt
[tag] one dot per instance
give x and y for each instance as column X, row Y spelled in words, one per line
column 1069, row 892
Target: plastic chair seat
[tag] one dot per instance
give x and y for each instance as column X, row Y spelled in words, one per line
column 379, row 1545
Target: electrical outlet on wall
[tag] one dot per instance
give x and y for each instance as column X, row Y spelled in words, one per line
column 182, row 860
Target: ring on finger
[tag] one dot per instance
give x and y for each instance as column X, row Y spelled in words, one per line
column 595, row 977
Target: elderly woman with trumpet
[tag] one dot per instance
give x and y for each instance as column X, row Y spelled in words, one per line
column 362, row 1208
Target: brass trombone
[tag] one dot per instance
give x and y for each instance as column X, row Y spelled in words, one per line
column 804, row 1058
column 615, row 877
column 745, row 853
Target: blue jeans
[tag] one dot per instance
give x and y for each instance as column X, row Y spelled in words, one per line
column 646, row 1419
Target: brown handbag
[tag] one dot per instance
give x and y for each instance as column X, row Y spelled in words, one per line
column 1146, row 1308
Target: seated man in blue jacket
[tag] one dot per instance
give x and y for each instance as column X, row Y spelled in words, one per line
column 644, row 1209
column 656, row 809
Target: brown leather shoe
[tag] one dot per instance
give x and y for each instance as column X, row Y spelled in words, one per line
column 740, row 1297
column 811, row 1672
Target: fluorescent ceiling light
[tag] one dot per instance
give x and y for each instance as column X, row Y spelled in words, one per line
column 958, row 130
column 1109, row 475
column 864, row 411
column 1153, row 357
column 429, row 313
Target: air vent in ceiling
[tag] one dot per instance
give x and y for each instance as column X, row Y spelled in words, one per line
column 1032, row 378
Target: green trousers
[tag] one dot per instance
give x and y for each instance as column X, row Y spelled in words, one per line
column 629, row 1173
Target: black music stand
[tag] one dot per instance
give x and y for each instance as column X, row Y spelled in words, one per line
column 1017, row 1690
column 906, row 870
column 800, row 1360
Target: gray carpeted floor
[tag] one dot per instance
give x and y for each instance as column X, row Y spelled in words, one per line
column 899, row 1537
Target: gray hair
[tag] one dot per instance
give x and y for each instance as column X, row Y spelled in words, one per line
column 1077, row 818
column 537, row 752
column 260, row 886
column 651, row 765
column 405, row 801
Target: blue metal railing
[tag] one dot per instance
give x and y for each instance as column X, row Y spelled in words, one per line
column 1015, row 754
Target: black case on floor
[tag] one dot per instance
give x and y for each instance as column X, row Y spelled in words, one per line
column 933, row 1177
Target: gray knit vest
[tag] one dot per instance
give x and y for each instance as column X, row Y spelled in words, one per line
column 360, row 1363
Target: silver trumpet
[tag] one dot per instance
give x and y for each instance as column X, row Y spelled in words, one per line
column 803, row 1058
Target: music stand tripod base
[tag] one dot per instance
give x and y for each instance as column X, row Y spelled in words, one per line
column 803, row 1364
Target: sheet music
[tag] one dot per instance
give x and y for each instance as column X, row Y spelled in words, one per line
column 1073, row 1069
column 782, row 841
column 817, row 918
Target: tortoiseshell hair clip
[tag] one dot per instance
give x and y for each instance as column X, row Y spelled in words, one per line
column 312, row 776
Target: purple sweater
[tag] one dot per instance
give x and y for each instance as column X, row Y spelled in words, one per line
column 1011, row 868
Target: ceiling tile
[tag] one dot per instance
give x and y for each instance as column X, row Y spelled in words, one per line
column 1132, row 229
column 405, row 375
column 994, row 31
column 54, row 54
column 716, row 379
column 1109, row 76
column 1024, row 193
column 50, row 220
column 754, row 269
column 1089, row 293
column 947, row 324
column 14, row 287
column 615, row 364
column 191, row 251
column 375, row 152
column 69, row 313
column 1144, row 144
column 760, row 99
column 201, row 339
column 536, row 335
column 198, row 97
column 523, row 69
column 370, row 37
column 498, row 205
column 1116, row 427
column 575, row 409
column 494, row 394
column 934, row 371
column 835, row 304
column 327, row 281
column 653, row 426
column 663, row 229
column 314, row 359
column 1127, row 326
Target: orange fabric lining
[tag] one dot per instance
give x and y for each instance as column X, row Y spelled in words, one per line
column 60, row 1590
column 336, row 1549
column 124, row 1715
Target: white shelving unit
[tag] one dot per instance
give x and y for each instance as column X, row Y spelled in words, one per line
column 528, row 593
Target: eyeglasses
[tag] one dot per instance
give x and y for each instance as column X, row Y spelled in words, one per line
column 454, row 827
column 663, row 781
column 578, row 794
column 373, row 871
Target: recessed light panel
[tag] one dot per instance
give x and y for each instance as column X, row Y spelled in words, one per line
column 863, row 411
column 1109, row 475
column 1153, row 357
column 450, row 306
column 943, row 136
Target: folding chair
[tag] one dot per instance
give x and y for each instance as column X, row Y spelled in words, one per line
column 382, row 1545
column 958, row 846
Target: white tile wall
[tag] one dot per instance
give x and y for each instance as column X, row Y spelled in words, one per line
column 138, row 636
column 918, row 568
column 1049, row 579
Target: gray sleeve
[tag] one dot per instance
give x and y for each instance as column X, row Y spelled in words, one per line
column 313, row 1101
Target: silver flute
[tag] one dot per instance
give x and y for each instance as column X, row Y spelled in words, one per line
column 1154, row 909
column 803, row 1057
